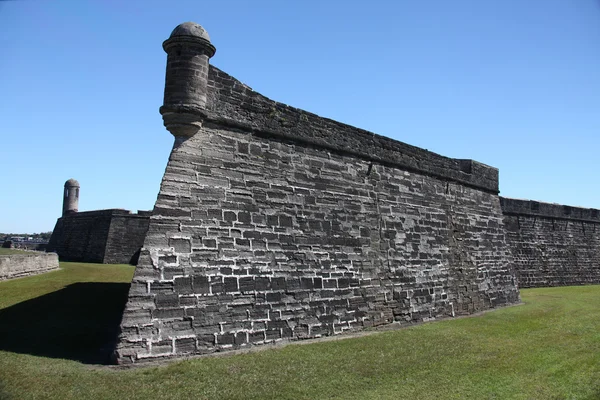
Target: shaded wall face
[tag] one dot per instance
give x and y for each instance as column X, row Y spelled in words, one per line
column 254, row 240
column 102, row 236
column 80, row 237
column 125, row 239
column 552, row 251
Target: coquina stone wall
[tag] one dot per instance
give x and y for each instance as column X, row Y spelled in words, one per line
column 21, row 265
column 126, row 237
column 552, row 244
column 275, row 224
column 101, row 236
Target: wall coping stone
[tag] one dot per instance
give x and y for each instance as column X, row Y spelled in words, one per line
column 548, row 210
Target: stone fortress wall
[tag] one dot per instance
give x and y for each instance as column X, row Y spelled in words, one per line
column 552, row 244
column 113, row 236
column 21, row 265
column 273, row 224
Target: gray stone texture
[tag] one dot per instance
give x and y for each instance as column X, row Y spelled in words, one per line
column 21, row 265
column 275, row 224
column 112, row 236
column 552, row 244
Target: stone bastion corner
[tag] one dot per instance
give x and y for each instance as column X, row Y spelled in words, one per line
column 275, row 224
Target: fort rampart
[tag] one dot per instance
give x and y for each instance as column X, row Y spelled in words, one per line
column 20, row 265
column 552, row 244
column 274, row 224
column 101, row 236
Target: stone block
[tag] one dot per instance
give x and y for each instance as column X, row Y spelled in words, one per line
column 166, row 300
column 183, row 285
column 225, row 339
column 185, row 345
column 201, row 284
column 181, row 245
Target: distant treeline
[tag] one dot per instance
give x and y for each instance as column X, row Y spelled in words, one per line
column 43, row 235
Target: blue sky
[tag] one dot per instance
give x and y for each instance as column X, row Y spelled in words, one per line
column 513, row 84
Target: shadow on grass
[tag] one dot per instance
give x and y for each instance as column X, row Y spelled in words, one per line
column 79, row 322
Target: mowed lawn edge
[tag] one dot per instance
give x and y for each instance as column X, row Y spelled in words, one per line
column 548, row 348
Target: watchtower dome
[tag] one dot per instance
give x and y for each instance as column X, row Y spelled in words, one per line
column 71, row 197
column 188, row 51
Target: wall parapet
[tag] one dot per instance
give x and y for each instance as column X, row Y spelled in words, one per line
column 540, row 209
column 114, row 212
column 234, row 104
column 21, row 265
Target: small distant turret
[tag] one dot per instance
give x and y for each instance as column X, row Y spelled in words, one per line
column 71, row 197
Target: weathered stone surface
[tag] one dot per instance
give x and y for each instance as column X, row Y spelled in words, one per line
column 276, row 224
column 112, row 236
column 552, row 244
column 20, row 265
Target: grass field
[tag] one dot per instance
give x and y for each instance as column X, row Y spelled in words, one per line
column 548, row 348
column 6, row 252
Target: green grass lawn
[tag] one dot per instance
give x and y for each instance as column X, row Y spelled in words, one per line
column 548, row 348
column 6, row 252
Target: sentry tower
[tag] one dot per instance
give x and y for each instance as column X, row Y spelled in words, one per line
column 188, row 51
column 71, row 197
